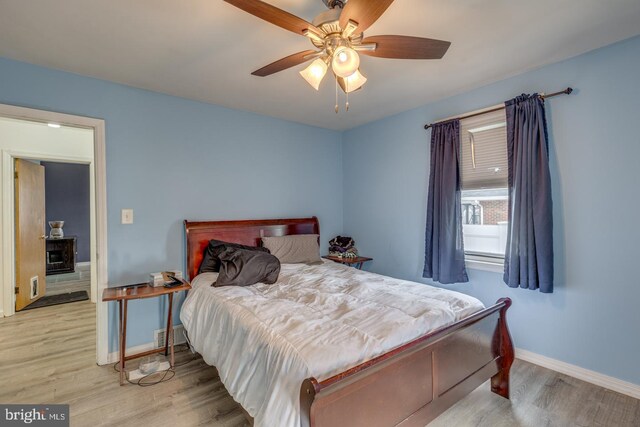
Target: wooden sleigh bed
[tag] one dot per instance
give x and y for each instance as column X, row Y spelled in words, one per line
column 407, row 386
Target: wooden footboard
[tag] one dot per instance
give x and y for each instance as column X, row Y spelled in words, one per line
column 413, row 384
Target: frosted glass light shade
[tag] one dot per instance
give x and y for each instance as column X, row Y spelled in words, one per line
column 315, row 72
column 354, row 81
column 345, row 61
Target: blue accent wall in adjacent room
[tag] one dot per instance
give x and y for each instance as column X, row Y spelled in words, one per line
column 592, row 318
column 67, row 199
column 171, row 159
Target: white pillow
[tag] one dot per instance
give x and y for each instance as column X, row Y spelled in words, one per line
column 204, row 279
column 297, row 248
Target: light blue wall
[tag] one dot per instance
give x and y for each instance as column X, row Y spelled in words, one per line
column 172, row 159
column 217, row 163
column 592, row 319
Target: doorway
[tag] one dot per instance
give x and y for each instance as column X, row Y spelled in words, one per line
column 57, row 148
column 52, row 232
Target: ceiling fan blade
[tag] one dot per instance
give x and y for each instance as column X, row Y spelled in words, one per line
column 406, row 47
column 364, row 12
column 274, row 15
column 284, row 63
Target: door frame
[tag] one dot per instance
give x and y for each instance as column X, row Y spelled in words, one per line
column 99, row 272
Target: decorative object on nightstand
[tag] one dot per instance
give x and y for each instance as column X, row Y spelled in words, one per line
column 356, row 261
column 56, row 229
column 123, row 295
column 343, row 247
column 164, row 277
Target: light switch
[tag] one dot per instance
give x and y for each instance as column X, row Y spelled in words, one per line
column 127, row 216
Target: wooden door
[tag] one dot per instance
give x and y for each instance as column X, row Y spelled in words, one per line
column 29, row 233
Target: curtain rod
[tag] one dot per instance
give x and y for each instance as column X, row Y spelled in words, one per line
column 567, row 91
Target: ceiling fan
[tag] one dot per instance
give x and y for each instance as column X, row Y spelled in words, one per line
column 338, row 35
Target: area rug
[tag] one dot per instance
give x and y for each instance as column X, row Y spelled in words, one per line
column 59, row 299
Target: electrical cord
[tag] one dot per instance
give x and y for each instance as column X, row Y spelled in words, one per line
column 142, row 381
column 164, row 378
column 187, row 347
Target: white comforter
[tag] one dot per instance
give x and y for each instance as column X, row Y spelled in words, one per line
column 315, row 321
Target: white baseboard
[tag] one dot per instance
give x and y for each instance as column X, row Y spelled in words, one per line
column 583, row 374
column 84, row 266
column 115, row 355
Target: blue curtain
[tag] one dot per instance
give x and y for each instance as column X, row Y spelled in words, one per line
column 444, row 249
column 529, row 254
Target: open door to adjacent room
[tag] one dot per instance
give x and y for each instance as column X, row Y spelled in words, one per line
column 29, row 233
column 36, row 148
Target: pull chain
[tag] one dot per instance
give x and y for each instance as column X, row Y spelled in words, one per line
column 337, row 108
column 346, row 105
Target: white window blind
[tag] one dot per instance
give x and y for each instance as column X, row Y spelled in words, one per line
column 483, row 142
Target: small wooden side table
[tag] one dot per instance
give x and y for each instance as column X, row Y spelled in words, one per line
column 126, row 293
column 356, row 262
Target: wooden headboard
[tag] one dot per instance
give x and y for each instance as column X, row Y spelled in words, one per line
column 247, row 232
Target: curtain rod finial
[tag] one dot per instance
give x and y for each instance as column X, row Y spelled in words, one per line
column 568, row 90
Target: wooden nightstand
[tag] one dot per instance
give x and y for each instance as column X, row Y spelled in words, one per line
column 356, row 262
column 123, row 295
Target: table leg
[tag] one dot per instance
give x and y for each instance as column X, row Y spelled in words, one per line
column 122, row 306
column 168, row 347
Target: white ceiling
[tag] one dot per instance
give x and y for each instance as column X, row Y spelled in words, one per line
column 206, row 49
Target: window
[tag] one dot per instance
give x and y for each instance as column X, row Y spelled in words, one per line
column 483, row 142
column 471, row 212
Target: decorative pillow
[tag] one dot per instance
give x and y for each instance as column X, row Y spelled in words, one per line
column 242, row 267
column 210, row 261
column 297, row 248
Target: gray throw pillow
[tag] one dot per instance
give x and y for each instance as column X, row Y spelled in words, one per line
column 242, row 267
column 297, row 248
column 210, row 259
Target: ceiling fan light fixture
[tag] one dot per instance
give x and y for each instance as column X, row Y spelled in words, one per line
column 315, row 72
column 345, row 61
column 349, row 29
column 354, row 81
column 337, row 35
column 313, row 35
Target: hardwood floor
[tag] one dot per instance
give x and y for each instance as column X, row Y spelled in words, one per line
column 48, row 356
column 540, row 398
column 69, row 282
